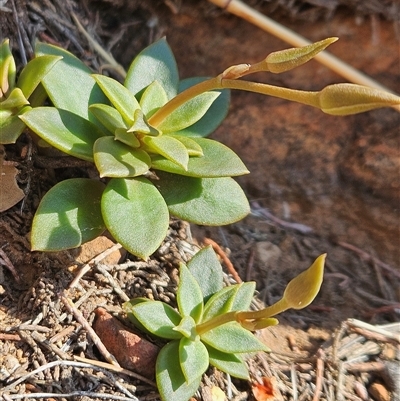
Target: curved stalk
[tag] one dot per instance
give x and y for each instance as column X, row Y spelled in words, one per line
column 215, row 322
column 304, row 97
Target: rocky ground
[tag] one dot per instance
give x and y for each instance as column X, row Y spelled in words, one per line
column 317, row 184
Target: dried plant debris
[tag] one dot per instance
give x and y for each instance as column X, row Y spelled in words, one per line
column 10, row 193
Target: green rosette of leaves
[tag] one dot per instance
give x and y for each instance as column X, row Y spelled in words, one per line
column 147, row 171
column 212, row 324
column 187, row 355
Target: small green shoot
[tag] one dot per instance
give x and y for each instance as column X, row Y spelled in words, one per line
column 212, row 324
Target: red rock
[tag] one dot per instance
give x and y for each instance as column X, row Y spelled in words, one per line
column 131, row 351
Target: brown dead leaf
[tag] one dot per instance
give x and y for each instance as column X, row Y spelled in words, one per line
column 267, row 391
column 10, row 193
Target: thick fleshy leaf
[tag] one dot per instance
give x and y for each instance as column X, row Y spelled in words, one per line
column 34, row 72
column 141, row 125
column 108, row 116
column 68, row 215
column 207, row 271
column 128, row 309
column 158, row 318
column 136, row 215
column 153, row 98
column 232, row 338
column 128, row 138
column 220, row 302
column 15, row 100
column 64, row 130
column 193, row 148
column 218, row 161
column 155, row 63
column 69, row 83
column 172, row 149
column 115, row 159
column 205, row 201
column 214, row 115
column 189, row 296
column 188, row 113
column 171, row 381
column 193, row 357
column 7, row 68
column 243, row 296
column 120, row 97
column 11, row 127
column 228, row 363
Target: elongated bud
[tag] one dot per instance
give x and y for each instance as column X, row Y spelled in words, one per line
column 285, row 60
column 345, row 99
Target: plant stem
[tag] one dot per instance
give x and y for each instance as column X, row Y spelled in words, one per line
column 304, row 97
column 267, row 312
column 237, row 316
column 159, row 116
column 215, row 322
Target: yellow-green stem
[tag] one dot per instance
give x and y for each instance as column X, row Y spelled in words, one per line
column 215, row 322
column 304, row 97
column 269, row 311
column 160, row 115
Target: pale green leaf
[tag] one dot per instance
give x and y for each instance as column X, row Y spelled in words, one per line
column 218, row 161
column 15, row 100
column 69, row 83
column 193, row 357
column 11, row 127
column 207, row 271
column 68, row 215
column 7, row 68
column 158, row 318
column 188, row 113
column 228, row 363
column 193, row 148
column 128, row 138
column 170, row 148
column 120, row 97
column 243, row 296
column 108, row 116
column 155, row 63
column 153, row 98
column 141, row 125
column 34, row 72
column 232, row 338
column 115, row 159
column 214, row 115
column 64, row 130
column 171, row 382
column 220, row 302
column 205, row 201
column 189, row 296
column 135, row 214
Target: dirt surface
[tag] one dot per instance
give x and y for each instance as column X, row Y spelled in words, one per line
column 317, row 184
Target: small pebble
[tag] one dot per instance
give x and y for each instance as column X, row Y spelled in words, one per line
column 379, row 392
column 131, row 351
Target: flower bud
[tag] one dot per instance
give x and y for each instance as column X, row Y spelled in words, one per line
column 345, row 99
column 285, row 60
